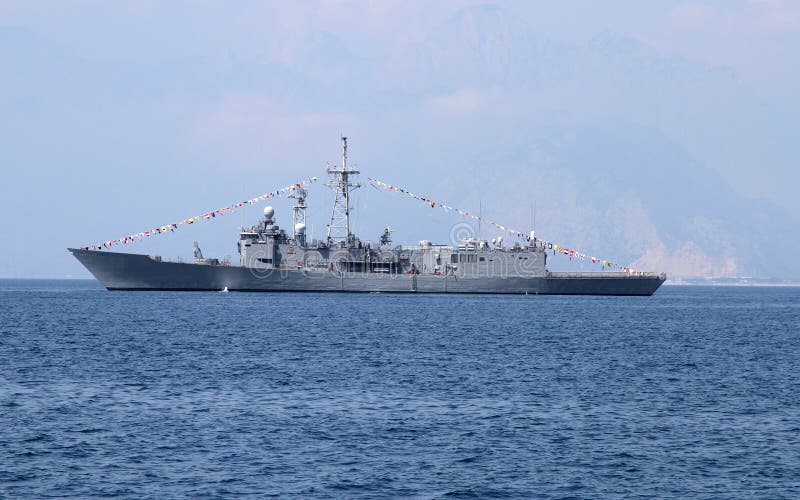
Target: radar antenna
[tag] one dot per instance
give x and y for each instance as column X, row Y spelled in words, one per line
column 339, row 181
column 385, row 237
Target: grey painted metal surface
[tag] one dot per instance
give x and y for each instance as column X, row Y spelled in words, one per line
column 122, row 271
column 270, row 259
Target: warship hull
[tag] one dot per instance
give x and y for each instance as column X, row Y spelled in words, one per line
column 124, row 271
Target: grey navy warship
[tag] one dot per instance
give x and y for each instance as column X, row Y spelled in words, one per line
column 272, row 259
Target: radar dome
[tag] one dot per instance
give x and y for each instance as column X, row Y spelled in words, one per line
column 300, row 228
column 269, row 212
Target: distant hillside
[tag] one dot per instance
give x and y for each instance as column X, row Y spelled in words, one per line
column 626, row 149
column 630, row 194
column 567, row 126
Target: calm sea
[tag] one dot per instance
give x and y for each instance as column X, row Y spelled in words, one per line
column 694, row 392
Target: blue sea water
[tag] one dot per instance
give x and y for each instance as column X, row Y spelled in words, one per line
column 694, row 392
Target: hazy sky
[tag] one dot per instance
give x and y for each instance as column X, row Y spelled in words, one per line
column 118, row 116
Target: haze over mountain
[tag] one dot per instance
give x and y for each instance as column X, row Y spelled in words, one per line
column 650, row 135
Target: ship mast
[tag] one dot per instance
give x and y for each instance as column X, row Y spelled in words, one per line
column 299, row 215
column 339, row 181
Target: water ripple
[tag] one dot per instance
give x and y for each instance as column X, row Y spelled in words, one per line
column 690, row 393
